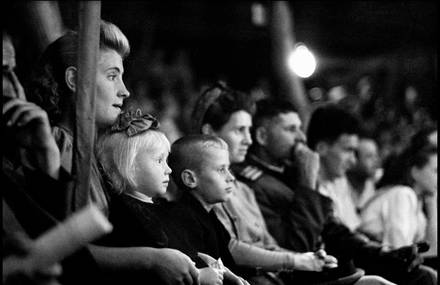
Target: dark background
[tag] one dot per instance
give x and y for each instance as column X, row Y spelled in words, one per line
column 390, row 40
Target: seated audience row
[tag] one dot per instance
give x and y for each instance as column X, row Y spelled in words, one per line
column 276, row 215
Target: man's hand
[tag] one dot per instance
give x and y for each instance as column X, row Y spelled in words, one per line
column 306, row 163
column 314, row 261
column 174, row 267
column 30, row 128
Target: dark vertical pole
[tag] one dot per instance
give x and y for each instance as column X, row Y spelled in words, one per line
column 89, row 20
column 283, row 42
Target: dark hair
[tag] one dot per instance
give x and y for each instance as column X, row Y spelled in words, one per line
column 397, row 168
column 421, row 138
column 216, row 105
column 48, row 87
column 187, row 153
column 270, row 108
column 329, row 122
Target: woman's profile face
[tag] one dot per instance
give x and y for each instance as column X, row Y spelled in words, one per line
column 236, row 133
column 426, row 176
column 110, row 88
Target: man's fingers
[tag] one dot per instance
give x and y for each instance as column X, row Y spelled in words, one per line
column 13, row 103
column 31, row 115
column 17, row 85
column 19, row 111
column 10, row 104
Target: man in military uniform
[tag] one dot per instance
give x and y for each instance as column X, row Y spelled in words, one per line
column 283, row 173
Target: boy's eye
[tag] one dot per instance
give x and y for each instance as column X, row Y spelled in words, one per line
column 112, row 77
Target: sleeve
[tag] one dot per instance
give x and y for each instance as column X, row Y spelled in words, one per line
column 399, row 211
column 223, row 216
column 251, row 256
column 272, row 215
column 51, row 194
column 344, row 243
column 431, row 230
column 268, row 240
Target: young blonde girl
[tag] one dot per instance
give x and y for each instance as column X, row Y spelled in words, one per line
column 133, row 155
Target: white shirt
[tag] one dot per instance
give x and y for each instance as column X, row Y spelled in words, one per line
column 345, row 208
column 394, row 217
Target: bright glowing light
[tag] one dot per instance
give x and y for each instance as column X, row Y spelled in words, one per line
column 302, row 61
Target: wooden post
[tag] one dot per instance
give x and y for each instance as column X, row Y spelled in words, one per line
column 44, row 19
column 283, row 42
column 88, row 51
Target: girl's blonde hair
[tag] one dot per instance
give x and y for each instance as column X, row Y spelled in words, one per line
column 117, row 153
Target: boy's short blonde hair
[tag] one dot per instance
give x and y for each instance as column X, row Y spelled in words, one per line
column 117, row 153
column 188, row 153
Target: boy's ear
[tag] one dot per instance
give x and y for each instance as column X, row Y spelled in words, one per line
column 207, row 129
column 322, row 148
column 189, row 178
column 261, row 136
column 70, row 77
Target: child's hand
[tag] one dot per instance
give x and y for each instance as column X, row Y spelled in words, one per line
column 211, row 276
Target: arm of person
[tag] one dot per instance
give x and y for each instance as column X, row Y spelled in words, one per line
column 398, row 213
column 431, row 229
column 29, row 125
column 52, row 194
column 17, row 268
column 273, row 216
column 368, row 254
column 251, row 256
column 172, row 266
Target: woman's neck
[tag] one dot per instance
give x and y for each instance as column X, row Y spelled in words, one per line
column 67, row 123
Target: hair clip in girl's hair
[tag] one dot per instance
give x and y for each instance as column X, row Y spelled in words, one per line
column 134, row 122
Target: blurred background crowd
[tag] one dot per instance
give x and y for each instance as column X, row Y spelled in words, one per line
column 377, row 58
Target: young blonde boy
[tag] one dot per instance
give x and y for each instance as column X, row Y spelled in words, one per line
column 200, row 165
